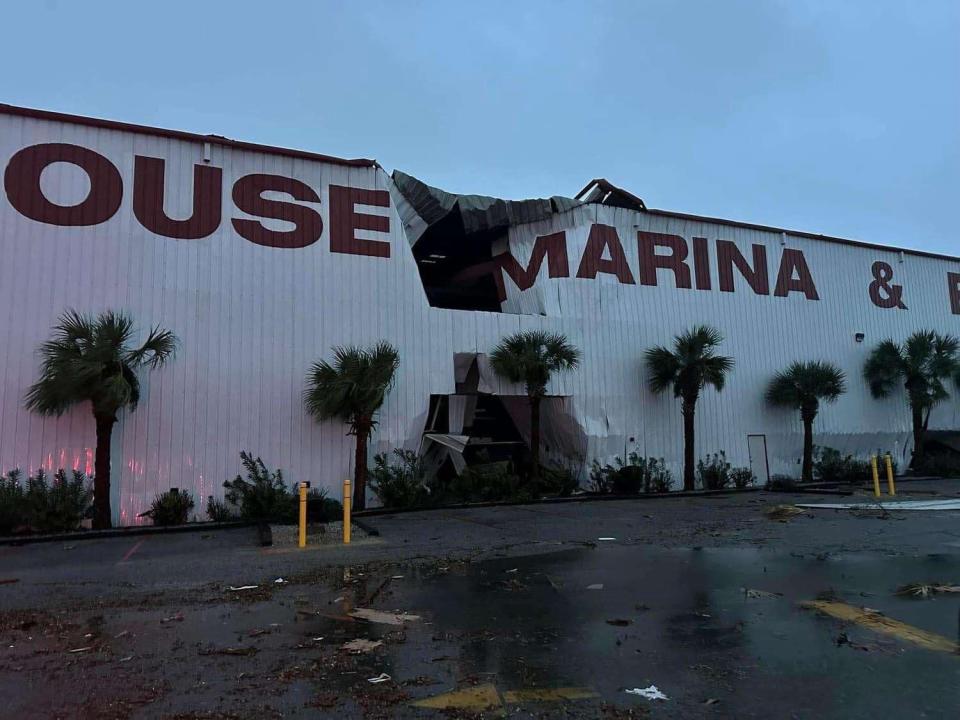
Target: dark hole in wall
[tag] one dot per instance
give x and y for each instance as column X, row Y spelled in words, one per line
column 456, row 268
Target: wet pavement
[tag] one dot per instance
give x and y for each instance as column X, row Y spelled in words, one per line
column 747, row 629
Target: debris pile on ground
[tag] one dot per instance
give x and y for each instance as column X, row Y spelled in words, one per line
column 925, row 590
column 783, row 512
column 650, row 693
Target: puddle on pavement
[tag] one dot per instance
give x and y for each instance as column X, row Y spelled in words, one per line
column 515, row 628
column 691, row 630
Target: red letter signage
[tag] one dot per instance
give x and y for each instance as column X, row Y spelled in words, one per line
column 553, row 247
column 22, row 183
column 344, row 220
column 148, row 194
column 728, row 255
column 604, row 237
column 247, row 196
column 953, row 283
column 793, row 262
column 647, row 244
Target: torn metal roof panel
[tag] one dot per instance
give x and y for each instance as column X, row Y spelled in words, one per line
column 478, row 213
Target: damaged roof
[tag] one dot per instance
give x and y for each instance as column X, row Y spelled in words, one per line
column 478, row 213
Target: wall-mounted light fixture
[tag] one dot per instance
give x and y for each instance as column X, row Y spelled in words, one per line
column 858, row 337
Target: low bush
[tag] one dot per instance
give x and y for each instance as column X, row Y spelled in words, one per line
column 219, row 511
column 41, row 505
column 556, row 481
column 59, row 506
column 742, row 477
column 399, row 484
column 320, row 507
column 634, row 475
column 781, row 483
column 830, row 465
column 940, row 464
column 12, row 505
column 489, row 481
column 713, row 471
column 171, row 508
column 262, row 496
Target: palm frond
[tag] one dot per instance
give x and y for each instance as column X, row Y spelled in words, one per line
column 532, row 356
column 805, row 384
column 691, row 365
column 353, row 386
column 884, row 367
column 88, row 359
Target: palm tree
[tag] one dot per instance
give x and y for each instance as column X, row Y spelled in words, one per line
column 531, row 358
column 922, row 363
column 91, row 359
column 801, row 387
column 688, row 368
column 352, row 389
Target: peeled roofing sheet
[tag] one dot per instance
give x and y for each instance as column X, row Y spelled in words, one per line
column 897, row 505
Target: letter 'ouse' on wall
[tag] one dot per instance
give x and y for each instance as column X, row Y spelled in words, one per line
column 261, row 259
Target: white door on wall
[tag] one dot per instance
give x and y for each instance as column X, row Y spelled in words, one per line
column 757, row 447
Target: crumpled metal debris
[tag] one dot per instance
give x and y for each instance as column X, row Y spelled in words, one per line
column 925, row 590
column 381, row 678
column 383, row 618
column 650, row 693
column 361, row 645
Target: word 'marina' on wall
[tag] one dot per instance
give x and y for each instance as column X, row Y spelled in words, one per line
column 22, row 184
column 604, row 254
column 666, row 254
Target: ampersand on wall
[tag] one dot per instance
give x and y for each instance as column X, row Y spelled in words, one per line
column 892, row 294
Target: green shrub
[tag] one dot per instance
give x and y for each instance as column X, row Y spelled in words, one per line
column 781, row 483
column 320, row 507
column 830, row 465
column 399, row 484
column 556, row 481
column 634, row 475
column 59, row 506
column 487, row 482
column 713, row 471
column 262, row 496
column 12, row 502
column 171, row 508
column 219, row 511
column 742, row 477
column 940, row 464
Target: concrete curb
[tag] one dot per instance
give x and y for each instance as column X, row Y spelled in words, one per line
column 123, row 532
column 555, row 501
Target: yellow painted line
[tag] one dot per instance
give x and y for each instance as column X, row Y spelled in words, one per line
column 480, row 697
column 548, row 694
column 882, row 624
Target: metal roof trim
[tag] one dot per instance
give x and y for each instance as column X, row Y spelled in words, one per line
column 50, row 115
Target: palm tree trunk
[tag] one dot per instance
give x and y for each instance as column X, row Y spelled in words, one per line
column 917, row 414
column 360, row 467
column 806, row 474
column 535, row 438
column 689, row 411
column 102, row 516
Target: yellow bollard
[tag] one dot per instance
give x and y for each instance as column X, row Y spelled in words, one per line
column 302, row 537
column 346, row 511
column 876, row 475
column 890, row 487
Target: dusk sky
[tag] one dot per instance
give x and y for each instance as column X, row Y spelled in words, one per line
column 833, row 117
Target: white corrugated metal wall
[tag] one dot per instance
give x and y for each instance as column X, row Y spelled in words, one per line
column 252, row 319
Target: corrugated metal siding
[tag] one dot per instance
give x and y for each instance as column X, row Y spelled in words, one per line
column 615, row 323
column 252, row 319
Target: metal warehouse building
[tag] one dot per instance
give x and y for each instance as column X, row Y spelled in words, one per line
column 262, row 259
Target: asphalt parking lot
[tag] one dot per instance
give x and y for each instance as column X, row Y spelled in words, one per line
column 520, row 611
